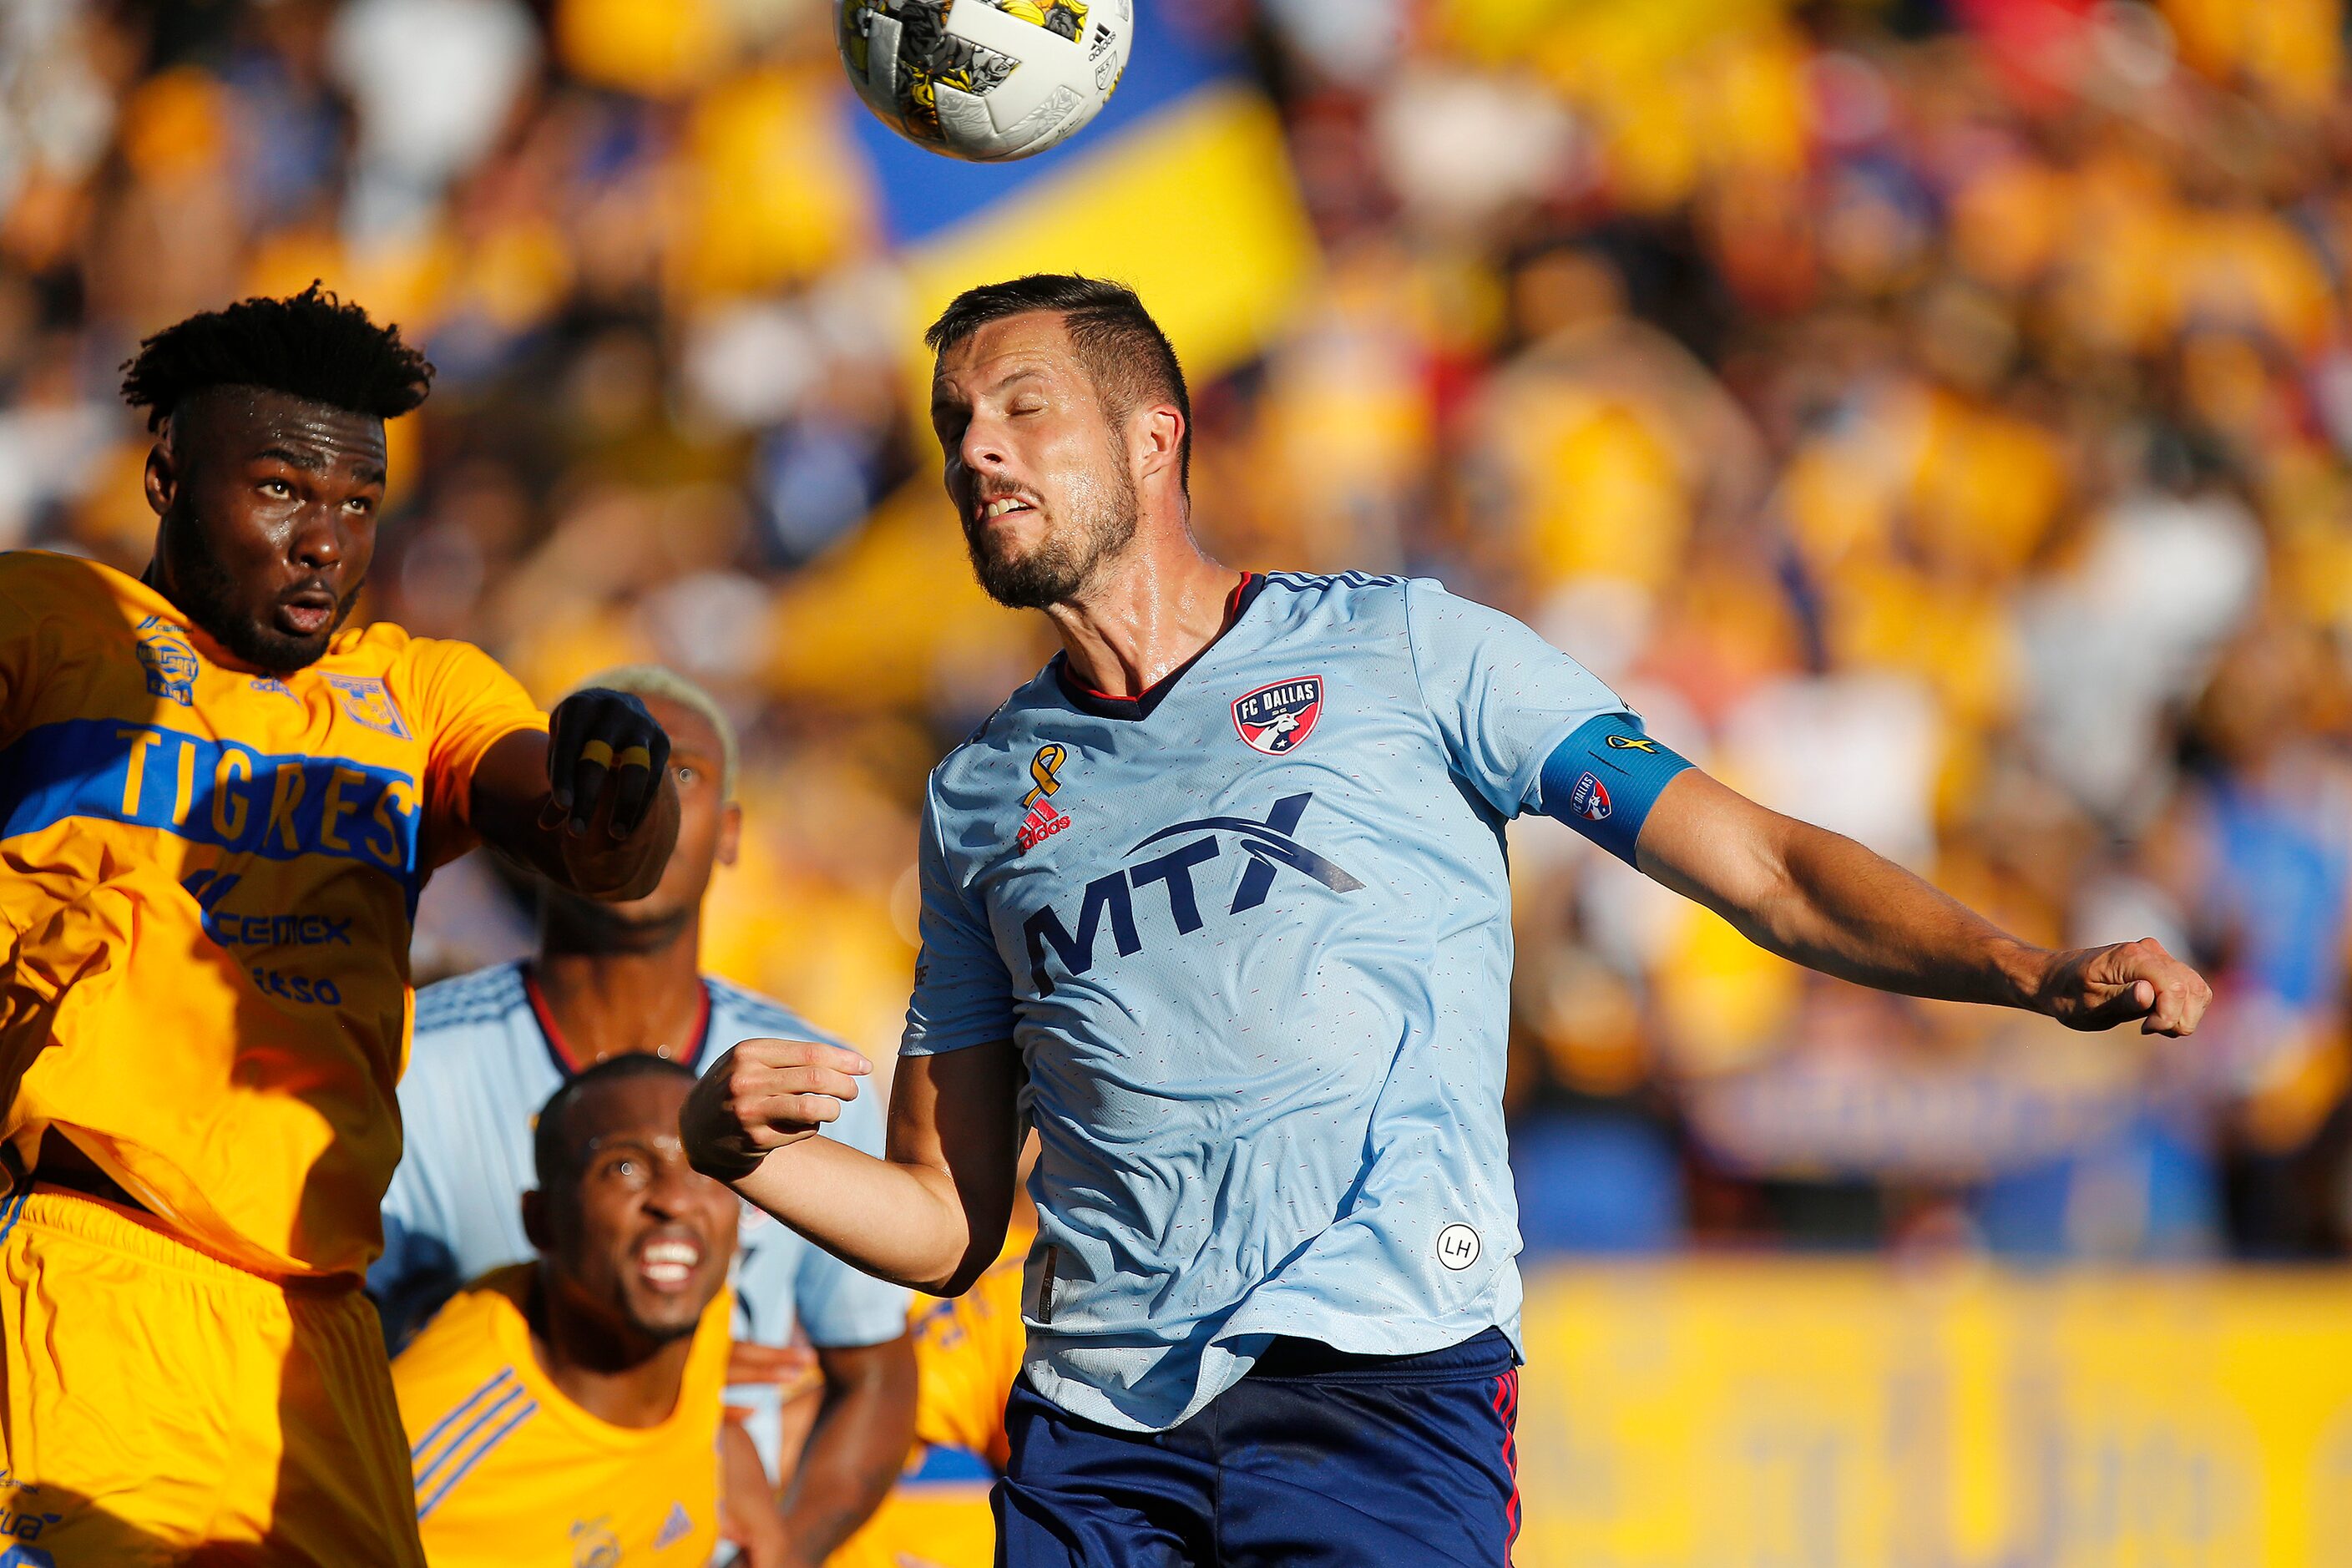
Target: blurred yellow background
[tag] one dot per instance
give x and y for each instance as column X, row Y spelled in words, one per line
column 1699, row 1414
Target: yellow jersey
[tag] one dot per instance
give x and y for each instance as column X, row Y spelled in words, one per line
column 968, row 1350
column 512, row 1474
column 207, row 877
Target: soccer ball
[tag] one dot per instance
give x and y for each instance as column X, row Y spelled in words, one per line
column 989, row 80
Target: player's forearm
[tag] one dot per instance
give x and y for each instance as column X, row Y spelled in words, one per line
column 1852, row 913
column 898, row 1222
column 1822, row 900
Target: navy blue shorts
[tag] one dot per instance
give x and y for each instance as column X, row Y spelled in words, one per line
column 1316, row 1458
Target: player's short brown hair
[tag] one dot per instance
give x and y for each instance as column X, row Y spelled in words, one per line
column 1127, row 357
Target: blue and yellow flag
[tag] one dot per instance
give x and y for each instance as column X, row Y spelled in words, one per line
column 1180, row 188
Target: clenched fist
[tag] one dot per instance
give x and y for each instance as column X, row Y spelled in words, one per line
column 2099, row 987
column 762, row 1096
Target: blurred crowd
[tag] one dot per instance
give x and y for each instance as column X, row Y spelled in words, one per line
column 1937, row 418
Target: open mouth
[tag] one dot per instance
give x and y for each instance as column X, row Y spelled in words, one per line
column 308, row 612
column 668, row 1263
column 1003, row 506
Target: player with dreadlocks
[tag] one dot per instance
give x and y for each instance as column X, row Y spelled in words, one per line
column 218, row 804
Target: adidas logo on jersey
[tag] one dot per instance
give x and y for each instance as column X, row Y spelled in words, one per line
column 1042, row 823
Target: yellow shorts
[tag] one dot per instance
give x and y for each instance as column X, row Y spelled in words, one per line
column 157, row 1406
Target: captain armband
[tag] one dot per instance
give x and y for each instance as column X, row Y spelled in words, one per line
column 1603, row 779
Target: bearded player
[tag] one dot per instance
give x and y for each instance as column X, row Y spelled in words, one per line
column 1218, row 899
column 217, row 807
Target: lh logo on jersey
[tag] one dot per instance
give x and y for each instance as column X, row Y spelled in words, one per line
column 1277, row 718
column 1457, row 1247
column 1589, row 798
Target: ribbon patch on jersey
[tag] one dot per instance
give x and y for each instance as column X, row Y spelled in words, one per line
column 1043, row 821
column 1277, row 718
column 369, row 702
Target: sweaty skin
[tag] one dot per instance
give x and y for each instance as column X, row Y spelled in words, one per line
column 607, row 1331
column 267, row 506
column 633, row 1245
column 1017, row 417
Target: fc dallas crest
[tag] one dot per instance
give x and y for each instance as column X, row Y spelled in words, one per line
column 1277, row 718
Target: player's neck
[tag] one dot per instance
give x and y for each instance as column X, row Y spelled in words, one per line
column 608, row 1003
column 1157, row 606
column 621, row 1379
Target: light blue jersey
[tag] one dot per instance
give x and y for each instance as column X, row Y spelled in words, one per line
column 484, row 1061
column 1252, row 936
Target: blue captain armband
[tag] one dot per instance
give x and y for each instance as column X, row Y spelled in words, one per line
column 1603, row 779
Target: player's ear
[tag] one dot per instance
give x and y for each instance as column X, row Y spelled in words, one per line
column 1157, row 440
column 162, row 473
column 534, row 1219
column 731, row 832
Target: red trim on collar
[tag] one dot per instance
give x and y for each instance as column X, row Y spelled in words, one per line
column 568, row 1061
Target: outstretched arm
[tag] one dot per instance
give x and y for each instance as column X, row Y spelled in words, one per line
column 1824, row 902
column 930, row 1215
column 590, row 804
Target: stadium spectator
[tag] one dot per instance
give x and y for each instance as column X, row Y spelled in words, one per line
column 605, row 983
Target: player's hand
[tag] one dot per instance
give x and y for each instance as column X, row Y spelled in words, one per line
column 2099, row 987
column 785, row 1367
column 762, row 1096
column 605, row 761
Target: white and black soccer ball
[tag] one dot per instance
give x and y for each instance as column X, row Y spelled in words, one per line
column 989, row 80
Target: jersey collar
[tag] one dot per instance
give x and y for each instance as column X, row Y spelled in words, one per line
column 567, row 1061
column 1103, row 705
